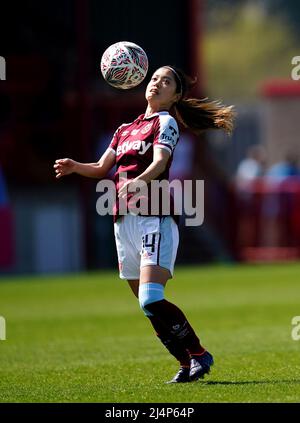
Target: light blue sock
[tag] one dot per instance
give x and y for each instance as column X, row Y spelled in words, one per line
column 150, row 293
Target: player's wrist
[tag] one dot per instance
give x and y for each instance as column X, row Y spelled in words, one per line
column 75, row 167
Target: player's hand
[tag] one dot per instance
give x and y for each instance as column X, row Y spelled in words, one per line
column 64, row 167
column 129, row 186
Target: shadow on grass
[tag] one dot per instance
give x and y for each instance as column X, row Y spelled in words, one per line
column 250, row 382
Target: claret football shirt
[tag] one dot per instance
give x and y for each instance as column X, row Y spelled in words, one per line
column 133, row 145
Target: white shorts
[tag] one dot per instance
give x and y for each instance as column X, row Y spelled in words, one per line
column 143, row 241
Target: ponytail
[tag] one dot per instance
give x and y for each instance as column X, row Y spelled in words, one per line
column 199, row 114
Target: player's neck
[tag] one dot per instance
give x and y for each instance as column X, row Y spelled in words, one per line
column 151, row 110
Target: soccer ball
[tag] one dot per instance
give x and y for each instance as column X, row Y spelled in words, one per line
column 124, row 65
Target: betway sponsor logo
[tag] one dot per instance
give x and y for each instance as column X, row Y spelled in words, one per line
column 133, row 145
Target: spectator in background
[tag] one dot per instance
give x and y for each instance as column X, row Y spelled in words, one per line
column 250, row 168
column 279, row 204
column 284, row 169
column 253, row 166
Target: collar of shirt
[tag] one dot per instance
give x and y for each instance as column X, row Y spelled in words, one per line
column 142, row 117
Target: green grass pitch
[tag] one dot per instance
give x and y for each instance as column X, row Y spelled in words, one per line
column 83, row 338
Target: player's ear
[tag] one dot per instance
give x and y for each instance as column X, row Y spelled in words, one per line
column 177, row 98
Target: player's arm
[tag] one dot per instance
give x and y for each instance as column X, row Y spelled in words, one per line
column 166, row 135
column 158, row 165
column 98, row 170
column 165, row 140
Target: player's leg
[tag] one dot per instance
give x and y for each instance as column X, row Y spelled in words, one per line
column 128, row 255
column 154, row 302
column 153, row 278
column 129, row 258
column 170, row 342
column 176, row 326
column 134, row 285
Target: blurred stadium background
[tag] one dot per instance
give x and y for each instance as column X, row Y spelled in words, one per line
column 66, row 318
column 54, row 103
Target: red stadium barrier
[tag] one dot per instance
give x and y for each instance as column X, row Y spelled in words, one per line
column 267, row 213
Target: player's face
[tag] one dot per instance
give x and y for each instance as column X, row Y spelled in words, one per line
column 161, row 90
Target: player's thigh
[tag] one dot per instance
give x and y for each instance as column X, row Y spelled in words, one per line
column 128, row 256
column 159, row 248
column 154, row 273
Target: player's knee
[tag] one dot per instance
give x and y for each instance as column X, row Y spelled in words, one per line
column 150, row 293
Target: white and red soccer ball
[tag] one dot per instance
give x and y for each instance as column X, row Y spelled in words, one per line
column 124, row 65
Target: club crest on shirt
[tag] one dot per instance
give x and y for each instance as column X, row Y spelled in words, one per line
column 147, row 128
column 125, row 133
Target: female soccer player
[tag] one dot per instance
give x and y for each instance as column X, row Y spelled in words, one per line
column 147, row 244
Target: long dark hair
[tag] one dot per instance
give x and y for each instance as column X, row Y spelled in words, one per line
column 199, row 114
